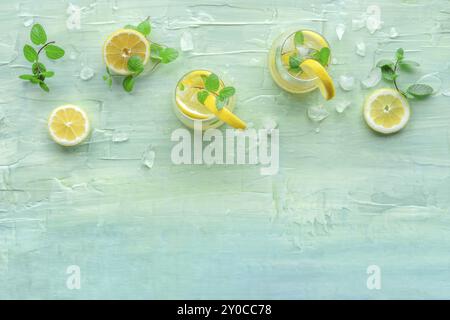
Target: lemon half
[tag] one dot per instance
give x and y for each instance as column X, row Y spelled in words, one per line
column 68, row 125
column 386, row 111
column 121, row 46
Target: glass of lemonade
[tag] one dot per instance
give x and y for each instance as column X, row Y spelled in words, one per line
column 189, row 109
column 286, row 52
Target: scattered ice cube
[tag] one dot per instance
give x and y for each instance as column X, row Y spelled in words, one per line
column 432, row 80
column 358, row 24
column 334, row 61
column 347, row 83
column 372, row 79
column 119, row 136
column 361, row 49
column 28, row 22
column 317, row 130
column 340, row 29
column 393, row 33
column 148, row 157
column 86, row 73
column 446, row 93
column 317, row 113
column 342, row 106
column 73, row 22
column 303, row 51
column 373, row 21
column 186, row 42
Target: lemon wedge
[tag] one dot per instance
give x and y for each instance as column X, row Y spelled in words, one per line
column 121, row 46
column 324, row 82
column 224, row 114
column 386, row 111
column 68, row 125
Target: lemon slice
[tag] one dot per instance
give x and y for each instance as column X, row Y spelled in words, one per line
column 324, row 81
column 386, row 111
column 224, row 114
column 186, row 95
column 68, row 125
column 123, row 44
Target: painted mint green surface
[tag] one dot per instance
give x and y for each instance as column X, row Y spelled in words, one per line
column 344, row 199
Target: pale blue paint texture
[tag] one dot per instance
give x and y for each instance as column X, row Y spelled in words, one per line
column 345, row 198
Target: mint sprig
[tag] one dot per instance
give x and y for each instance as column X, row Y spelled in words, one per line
column 295, row 60
column 158, row 54
column 390, row 72
column 211, row 85
column 40, row 73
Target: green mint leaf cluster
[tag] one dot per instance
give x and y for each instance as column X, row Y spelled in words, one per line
column 38, row 36
column 212, row 86
column 158, row 54
column 295, row 60
column 389, row 71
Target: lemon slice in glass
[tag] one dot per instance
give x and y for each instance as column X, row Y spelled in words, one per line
column 386, row 111
column 68, row 125
column 324, row 82
column 121, row 46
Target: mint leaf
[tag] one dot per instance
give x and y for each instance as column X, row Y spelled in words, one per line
column 388, row 73
column 202, row 95
column 155, row 51
column 135, row 64
column 27, row 77
column 44, row 86
column 48, row 74
column 385, row 62
column 324, row 56
column 399, row 54
column 294, row 61
column 299, row 38
column 227, row 92
column 38, row 68
column 29, row 53
column 408, row 64
column 38, row 35
column 212, row 82
column 54, row 52
column 144, row 27
column 420, row 90
column 128, row 83
column 168, row 55
column 108, row 79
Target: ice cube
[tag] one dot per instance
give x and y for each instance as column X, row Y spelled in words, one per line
column 342, row 106
column 347, row 83
column 372, row 79
column 148, row 157
column 86, row 73
column 73, row 22
column 317, row 113
column 186, row 42
column 340, row 29
column 303, row 51
column 393, row 33
column 446, row 92
column 361, row 49
column 373, row 21
column 334, row 61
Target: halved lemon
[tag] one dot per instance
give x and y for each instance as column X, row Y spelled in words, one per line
column 386, row 111
column 123, row 44
column 68, row 125
column 314, row 69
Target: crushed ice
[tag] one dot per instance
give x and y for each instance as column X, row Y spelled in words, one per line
column 317, row 113
column 340, row 30
column 393, row 33
column 347, row 83
column 73, row 22
column 186, row 42
column 148, row 157
column 342, row 106
column 361, row 49
column 86, row 73
column 372, row 79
